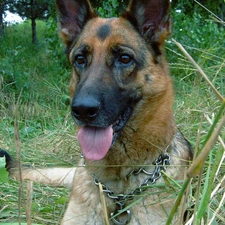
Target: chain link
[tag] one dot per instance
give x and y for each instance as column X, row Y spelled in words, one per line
column 120, row 199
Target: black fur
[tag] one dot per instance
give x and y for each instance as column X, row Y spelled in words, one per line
column 8, row 158
column 104, row 31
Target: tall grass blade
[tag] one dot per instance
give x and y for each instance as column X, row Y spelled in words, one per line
column 210, row 177
column 177, row 202
column 197, row 165
column 209, row 143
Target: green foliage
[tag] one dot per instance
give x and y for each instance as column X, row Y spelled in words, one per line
column 204, row 40
column 3, row 172
column 39, row 73
column 197, row 31
column 189, row 7
column 29, row 64
column 38, row 9
column 109, row 8
column 33, row 10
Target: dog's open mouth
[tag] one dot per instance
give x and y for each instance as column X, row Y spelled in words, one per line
column 96, row 141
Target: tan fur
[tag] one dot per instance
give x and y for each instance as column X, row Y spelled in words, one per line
column 150, row 131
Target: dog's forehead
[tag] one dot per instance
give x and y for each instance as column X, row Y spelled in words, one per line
column 103, row 31
column 108, row 29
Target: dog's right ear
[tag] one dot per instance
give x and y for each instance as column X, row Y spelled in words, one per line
column 72, row 16
column 151, row 18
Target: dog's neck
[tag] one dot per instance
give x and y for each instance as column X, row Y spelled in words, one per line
column 142, row 141
column 121, row 199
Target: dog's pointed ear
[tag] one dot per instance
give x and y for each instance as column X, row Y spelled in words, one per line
column 151, row 18
column 72, row 17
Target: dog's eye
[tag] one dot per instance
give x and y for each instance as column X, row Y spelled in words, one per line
column 125, row 59
column 80, row 60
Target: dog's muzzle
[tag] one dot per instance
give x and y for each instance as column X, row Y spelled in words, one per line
column 99, row 127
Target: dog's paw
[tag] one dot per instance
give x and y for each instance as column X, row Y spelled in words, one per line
column 8, row 158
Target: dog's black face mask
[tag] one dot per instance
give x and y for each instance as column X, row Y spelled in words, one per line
column 100, row 123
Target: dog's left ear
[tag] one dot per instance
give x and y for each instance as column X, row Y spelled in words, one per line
column 151, row 18
column 72, row 17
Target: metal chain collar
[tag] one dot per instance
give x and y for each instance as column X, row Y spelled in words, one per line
column 121, row 199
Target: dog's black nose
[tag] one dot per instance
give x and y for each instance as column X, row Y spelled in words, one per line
column 85, row 109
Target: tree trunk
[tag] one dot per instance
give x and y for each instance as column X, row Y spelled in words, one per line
column 1, row 18
column 33, row 22
column 34, row 33
column 222, row 11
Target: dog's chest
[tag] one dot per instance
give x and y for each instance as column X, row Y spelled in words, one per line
column 140, row 205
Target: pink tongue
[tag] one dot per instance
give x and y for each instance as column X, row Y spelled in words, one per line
column 95, row 142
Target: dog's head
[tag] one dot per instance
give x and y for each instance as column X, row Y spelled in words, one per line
column 107, row 56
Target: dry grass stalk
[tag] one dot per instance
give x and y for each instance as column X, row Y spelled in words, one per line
column 183, row 204
column 199, row 69
column 18, row 150
column 218, row 209
column 104, row 207
column 29, row 202
column 199, row 161
column 222, row 144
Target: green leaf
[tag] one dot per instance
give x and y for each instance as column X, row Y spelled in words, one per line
column 5, row 213
column 48, row 209
column 210, row 176
column 204, row 201
column 62, row 200
column 3, row 173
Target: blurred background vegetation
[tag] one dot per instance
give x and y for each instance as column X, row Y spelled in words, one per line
column 34, row 73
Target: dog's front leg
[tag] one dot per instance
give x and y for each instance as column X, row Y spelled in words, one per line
column 50, row 176
column 85, row 205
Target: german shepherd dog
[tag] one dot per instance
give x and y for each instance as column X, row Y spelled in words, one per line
column 121, row 99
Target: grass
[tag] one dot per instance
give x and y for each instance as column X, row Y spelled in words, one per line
column 40, row 74
column 44, row 120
